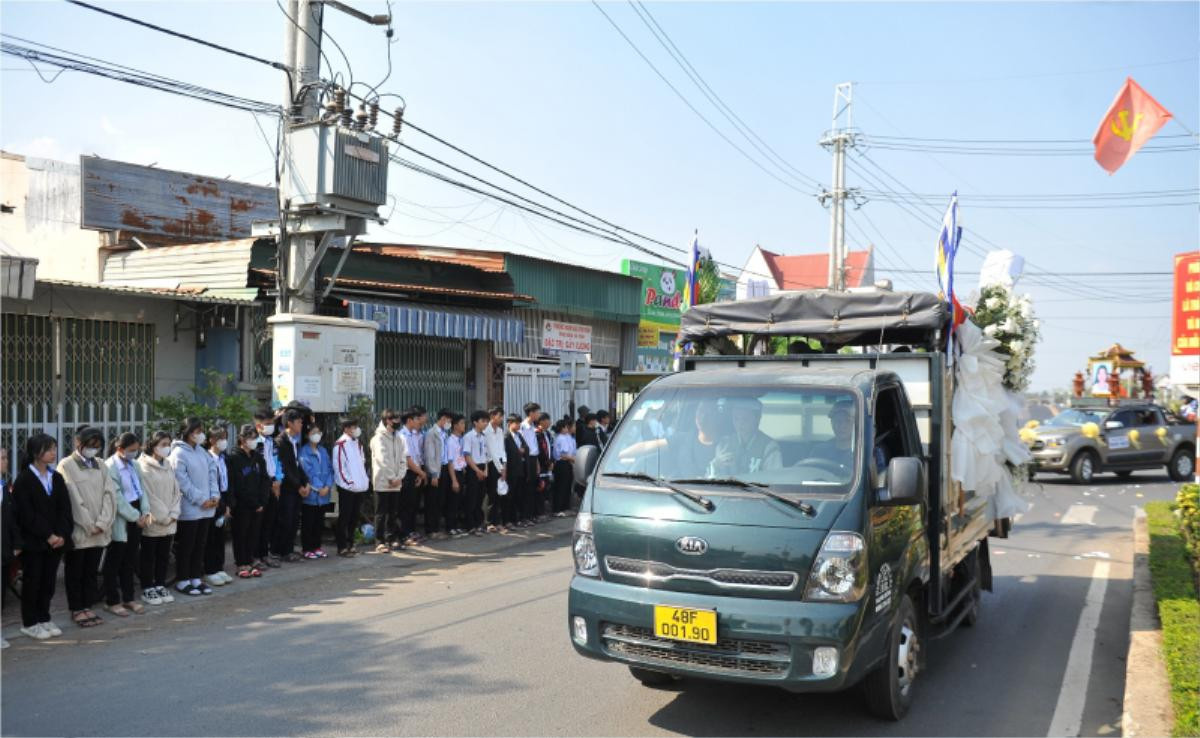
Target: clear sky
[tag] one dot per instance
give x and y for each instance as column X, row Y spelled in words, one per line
column 551, row 92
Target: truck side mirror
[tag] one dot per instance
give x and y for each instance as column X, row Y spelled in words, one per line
column 1113, row 424
column 905, row 483
column 585, row 461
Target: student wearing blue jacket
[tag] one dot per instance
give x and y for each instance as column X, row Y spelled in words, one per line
column 197, row 477
column 318, row 466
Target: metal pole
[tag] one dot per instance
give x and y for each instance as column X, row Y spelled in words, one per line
column 839, row 135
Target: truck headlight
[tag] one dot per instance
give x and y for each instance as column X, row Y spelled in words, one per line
column 839, row 573
column 1053, row 441
column 587, row 563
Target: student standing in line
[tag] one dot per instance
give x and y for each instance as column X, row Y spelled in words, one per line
column 475, row 473
column 93, row 510
column 319, row 470
column 214, row 547
column 388, row 471
column 350, row 478
column 124, row 552
column 581, row 424
column 9, row 544
column 264, row 421
column 43, row 525
column 293, row 489
column 162, row 505
column 547, row 457
column 434, row 450
column 249, row 490
column 197, row 476
column 526, row 502
column 564, row 471
column 515, row 470
column 494, row 434
column 454, row 486
column 602, row 421
column 415, row 479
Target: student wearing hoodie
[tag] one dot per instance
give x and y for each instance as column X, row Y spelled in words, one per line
column 93, row 510
column 214, row 546
column 123, row 552
column 249, row 490
column 387, row 476
column 319, row 469
column 351, row 481
column 293, row 488
column 162, row 505
column 42, row 517
column 197, row 477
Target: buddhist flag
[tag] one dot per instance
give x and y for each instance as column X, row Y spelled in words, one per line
column 947, row 249
column 1131, row 121
column 691, row 288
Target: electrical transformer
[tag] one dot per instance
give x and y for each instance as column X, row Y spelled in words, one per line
column 334, row 168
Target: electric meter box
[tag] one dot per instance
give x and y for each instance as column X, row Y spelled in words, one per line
column 334, row 168
column 321, row 361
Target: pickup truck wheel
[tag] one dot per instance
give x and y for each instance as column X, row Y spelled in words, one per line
column 649, row 677
column 889, row 688
column 1083, row 467
column 1182, row 465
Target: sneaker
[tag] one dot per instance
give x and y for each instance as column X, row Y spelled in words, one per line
column 51, row 628
column 150, row 596
column 274, row 561
column 36, row 632
column 320, row 552
column 165, row 595
column 204, row 589
column 192, row 590
column 310, row 555
column 225, row 575
column 214, row 580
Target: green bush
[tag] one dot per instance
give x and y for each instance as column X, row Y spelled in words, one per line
column 1179, row 611
column 1187, row 507
column 210, row 401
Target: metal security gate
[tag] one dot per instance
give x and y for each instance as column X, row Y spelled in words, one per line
column 418, row 370
column 540, row 383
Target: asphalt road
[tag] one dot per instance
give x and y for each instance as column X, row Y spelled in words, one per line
column 456, row 645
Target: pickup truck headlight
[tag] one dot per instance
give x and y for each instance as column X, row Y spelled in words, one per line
column 1053, row 441
column 587, row 563
column 839, row 573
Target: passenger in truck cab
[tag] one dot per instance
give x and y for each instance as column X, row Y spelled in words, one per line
column 840, row 449
column 747, row 449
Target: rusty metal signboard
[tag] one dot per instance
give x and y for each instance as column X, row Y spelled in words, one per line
column 127, row 197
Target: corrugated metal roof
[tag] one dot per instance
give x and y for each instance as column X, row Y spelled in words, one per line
column 588, row 293
column 488, row 261
column 128, row 197
column 211, row 265
column 246, row 296
column 425, row 289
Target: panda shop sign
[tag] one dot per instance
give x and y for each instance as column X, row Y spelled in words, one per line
column 662, row 296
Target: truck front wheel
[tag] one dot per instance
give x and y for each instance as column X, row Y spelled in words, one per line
column 1182, row 465
column 889, row 688
column 1083, row 467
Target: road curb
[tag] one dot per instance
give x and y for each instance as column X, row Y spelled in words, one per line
column 1147, row 704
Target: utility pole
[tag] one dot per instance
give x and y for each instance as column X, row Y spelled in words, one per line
column 838, row 138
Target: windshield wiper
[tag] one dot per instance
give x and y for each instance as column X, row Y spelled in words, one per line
column 759, row 487
column 703, row 502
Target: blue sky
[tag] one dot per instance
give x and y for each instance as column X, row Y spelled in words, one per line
column 551, row 92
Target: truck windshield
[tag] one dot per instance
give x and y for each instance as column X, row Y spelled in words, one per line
column 1075, row 418
column 794, row 439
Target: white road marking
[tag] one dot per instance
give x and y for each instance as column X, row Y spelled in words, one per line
column 1068, row 712
column 1080, row 515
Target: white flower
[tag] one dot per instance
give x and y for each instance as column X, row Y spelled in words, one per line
column 995, row 303
column 1010, row 326
column 1017, row 347
column 1037, row 325
column 989, row 330
column 1026, row 309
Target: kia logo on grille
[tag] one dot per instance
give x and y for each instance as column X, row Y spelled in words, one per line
column 691, row 545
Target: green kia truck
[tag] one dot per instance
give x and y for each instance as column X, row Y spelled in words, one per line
column 785, row 519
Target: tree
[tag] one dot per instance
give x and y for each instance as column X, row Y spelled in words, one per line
column 708, row 282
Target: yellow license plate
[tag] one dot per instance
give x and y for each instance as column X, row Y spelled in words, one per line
column 685, row 624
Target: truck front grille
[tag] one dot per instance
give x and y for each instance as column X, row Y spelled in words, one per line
column 654, row 571
column 729, row 655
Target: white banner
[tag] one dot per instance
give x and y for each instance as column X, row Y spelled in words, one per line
column 558, row 336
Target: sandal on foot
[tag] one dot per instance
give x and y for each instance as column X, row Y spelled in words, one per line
column 135, row 607
column 80, row 618
column 244, row 573
column 118, row 610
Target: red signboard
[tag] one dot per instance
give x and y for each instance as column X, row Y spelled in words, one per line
column 1185, row 328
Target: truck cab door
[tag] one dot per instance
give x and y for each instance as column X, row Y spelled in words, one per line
column 1121, row 450
column 1155, row 451
column 894, row 529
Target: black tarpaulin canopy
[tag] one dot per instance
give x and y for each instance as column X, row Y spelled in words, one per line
column 866, row 317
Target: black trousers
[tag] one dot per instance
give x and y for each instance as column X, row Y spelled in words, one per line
column 266, row 526
column 287, row 520
column 387, row 515
column 120, row 560
column 39, row 571
column 510, row 504
column 311, row 519
column 80, row 577
column 214, row 546
column 156, row 552
column 433, row 497
column 190, row 537
column 564, row 480
column 528, row 508
column 452, row 502
column 410, row 500
column 247, row 522
column 349, row 506
column 472, row 499
column 495, row 517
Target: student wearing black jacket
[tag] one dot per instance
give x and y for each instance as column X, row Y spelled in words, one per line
column 249, row 490
column 292, row 489
column 515, row 471
column 42, row 512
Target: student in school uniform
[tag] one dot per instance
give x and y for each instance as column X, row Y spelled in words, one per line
column 454, row 487
column 436, row 463
column 564, row 473
column 547, row 457
column 293, row 489
column 214, row 545
column 249, row 490
column 43, row 524
column 197, row 476
column 515, row 470
column 494, row 434
column 526, row 503
column 415, row 479
column 264, row 422
column 351, row 481
column 93, row 510
column 124, row 552
column 319, row 469
column 475, row 472
column 9, row 544
column 163, row 505
column 602, row 422
column 388, row 472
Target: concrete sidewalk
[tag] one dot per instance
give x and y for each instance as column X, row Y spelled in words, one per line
column 296, row 576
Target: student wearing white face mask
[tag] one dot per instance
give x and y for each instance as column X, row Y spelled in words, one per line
column 264, row 421
column 249, row 490
column 162, row 506
column 197, row 477
column 314, row 459
column 214, row 545
column 350, row 477
column 122, row 555
column 93, row 510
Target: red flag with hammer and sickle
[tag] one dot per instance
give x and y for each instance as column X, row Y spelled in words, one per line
column 1131, row 121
